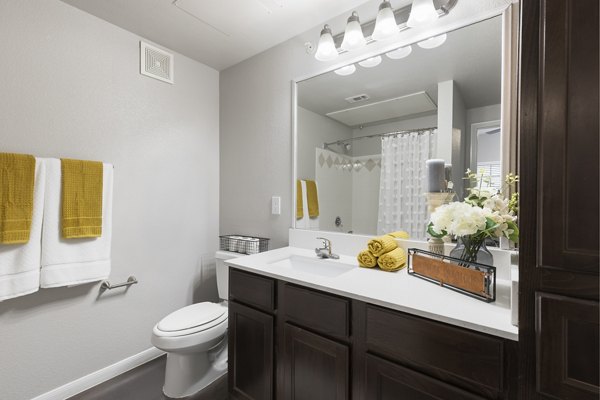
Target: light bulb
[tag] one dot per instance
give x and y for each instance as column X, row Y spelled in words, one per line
column 385, row 24
column 347, row 70
column 422, row 13
column 399, row 53
column 370, row 62
column 353, row 36
column 326, row 50
column 433, row 42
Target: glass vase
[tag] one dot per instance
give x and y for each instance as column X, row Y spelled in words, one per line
column 472, row 250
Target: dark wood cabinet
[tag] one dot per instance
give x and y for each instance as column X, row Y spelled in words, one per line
column 315, row 368
column 559, row 168
column 390, row 381
column 318, row 346
column 250, row 353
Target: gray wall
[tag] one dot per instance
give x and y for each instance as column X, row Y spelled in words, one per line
column 71, row 87
column 313, row 130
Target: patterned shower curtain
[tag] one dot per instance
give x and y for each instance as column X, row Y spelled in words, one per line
column 402, row 202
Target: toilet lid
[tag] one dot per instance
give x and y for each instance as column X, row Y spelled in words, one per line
column 191, row 316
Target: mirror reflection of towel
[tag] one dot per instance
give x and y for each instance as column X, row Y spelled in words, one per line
column 299, row 201
column 312, row 199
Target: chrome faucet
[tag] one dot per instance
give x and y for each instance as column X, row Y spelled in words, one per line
column 325, row 252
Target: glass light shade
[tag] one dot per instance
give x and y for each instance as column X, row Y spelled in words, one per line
column 422, row 13
column 385, row 24
column 326, row 50
column 433, row 42
column 347, row 70
column 353, row 36
column 399, row 53
column 370, row 62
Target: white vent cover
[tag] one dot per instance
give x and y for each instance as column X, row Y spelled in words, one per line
column 156, row 63
column 358, row 97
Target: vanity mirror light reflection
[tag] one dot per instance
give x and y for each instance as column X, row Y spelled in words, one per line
column 364, row 138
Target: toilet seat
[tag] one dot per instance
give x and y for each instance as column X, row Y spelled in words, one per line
column 191, row 319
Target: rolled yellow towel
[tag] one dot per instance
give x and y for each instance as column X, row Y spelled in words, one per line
column 392, row 261
column 366, row 259
column 381, row 245
column 399, row 235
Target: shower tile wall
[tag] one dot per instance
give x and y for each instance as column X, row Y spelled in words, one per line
column 348, row 188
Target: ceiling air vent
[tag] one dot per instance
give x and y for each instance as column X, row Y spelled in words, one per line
column 156, row 63
column 357, row 98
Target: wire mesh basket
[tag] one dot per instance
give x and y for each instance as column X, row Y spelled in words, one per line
column 244, row 244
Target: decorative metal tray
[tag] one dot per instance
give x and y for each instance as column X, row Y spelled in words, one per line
column 469, row 278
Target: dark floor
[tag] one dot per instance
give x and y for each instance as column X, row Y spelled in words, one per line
column 145, row 383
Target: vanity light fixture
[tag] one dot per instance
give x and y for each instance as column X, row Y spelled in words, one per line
column 326, row 50
column 433, row 42
column 399, row 53
column 353, row 36
column 385, row 27
column 370, row 62
column 345, row 71
column 422, row 13
column 385, row 24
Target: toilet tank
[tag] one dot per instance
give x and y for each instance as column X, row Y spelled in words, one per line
column 223, row 272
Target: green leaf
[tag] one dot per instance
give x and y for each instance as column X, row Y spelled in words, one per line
column 434, row 233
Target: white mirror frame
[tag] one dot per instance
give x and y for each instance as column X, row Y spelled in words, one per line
column 508, row 97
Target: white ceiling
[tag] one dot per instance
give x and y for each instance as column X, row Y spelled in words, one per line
column 471, row 56
column 217, row 33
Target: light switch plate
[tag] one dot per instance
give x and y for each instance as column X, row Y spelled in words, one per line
column 276, row 205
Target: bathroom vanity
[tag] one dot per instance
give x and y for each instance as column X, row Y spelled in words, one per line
column 296, row 333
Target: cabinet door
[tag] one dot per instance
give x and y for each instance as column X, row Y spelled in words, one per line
column 389, row 381
column 250, row 353
column 559, row 247
column 316, row 368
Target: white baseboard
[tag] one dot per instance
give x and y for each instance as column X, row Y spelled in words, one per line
column 102, row 375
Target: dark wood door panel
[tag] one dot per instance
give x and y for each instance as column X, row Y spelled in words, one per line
column 389, row 381
column 316, row 368
column 317, row 311
column 569, row 143
column 251, row 289
column 251, row 353
column 568, row 347
column 469, row 357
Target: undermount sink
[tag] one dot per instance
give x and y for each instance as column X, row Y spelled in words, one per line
column 314, row 265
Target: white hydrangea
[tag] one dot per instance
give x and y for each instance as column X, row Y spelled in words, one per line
column 460, row 219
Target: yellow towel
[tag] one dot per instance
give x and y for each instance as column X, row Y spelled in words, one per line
column 299, row 201
column 382, row 244
column 81, row 198
column 399, row 235
column 392, row 261
column 312, row 199
column 17, row 175
column 366, row 259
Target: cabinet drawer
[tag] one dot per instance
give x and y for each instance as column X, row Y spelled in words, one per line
column 317, row 311
column 254, row 290
column 437, row 347
column 388, row 381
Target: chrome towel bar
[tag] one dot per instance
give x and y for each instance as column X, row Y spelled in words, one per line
column 130, row 281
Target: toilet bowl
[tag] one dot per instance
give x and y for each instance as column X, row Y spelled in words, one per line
column 195, row 340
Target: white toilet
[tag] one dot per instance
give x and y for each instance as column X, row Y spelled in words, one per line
column 195, row 339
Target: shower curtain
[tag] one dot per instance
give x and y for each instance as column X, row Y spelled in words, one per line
column 402, row 202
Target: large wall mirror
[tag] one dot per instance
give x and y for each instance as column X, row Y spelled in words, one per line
column 364, row 133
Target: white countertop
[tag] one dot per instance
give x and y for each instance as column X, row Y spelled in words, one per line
column 394, row 290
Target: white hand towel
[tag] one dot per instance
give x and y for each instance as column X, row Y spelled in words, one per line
column 67, row 262
column 20, row 263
